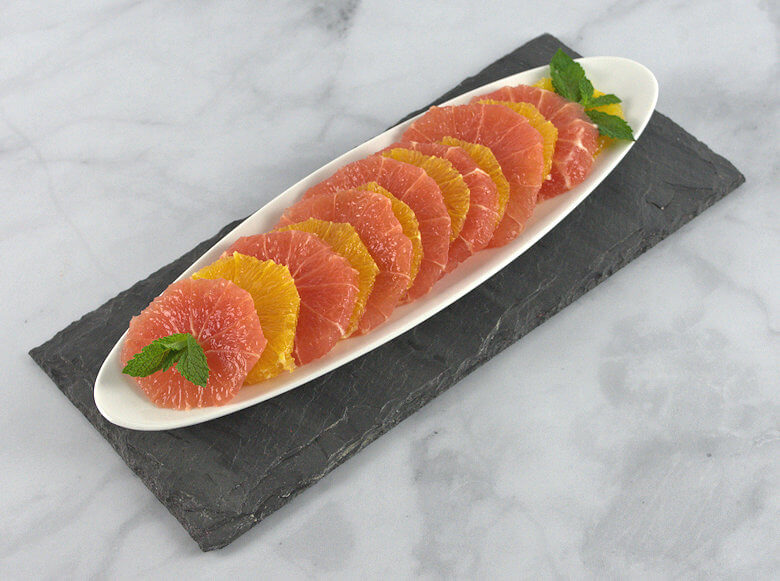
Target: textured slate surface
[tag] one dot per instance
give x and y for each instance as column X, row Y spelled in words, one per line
column 220, row 478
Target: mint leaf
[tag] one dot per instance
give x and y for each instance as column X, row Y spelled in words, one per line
column 570, row 82
column 170, row 358
column 180, row 349
column 566, row 76
column 147, row 361
column 611, row 125
column 586, row 91
column 609, row 99
column 192, row 364
column 177, row 341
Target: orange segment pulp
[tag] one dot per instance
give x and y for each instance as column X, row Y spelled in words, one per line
column 544, row 83
column 276, row 301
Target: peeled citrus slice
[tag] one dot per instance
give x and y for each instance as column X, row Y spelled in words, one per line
column 409, row 225
column 516, row 145
column 547, row 130
column 482, row 217
column 326, row 283
column 344, row 241
column 222, row 318
column 488, row 163
column 453, row 187
column 614, row 109
column 373, row 219
column 416, row 189
column 276, row 301
column 577, row 135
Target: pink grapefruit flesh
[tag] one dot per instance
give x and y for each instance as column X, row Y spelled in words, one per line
column 416, row 189
column 517, row 146
column 222, row 318
column 326, row 283
column 577, row 135
column 483, row 215
column 371, row 215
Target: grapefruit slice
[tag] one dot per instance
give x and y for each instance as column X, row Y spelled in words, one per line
column 453, row 188
column 488, row 163
column 409, row 225
column 373, row 219
column 613, row 109
column 222, row 318
column 277, row 304
column 482, row 217
column 416, row 189
column 326, row 283
column 577, row 136
column 547, row 130
column 344, row 241
column 516, row 145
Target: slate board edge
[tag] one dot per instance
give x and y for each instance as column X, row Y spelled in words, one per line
column 203, row 537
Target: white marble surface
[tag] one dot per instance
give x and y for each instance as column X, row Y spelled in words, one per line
column 635, row 435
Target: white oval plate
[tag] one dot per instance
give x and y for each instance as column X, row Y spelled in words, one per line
column 121, row 401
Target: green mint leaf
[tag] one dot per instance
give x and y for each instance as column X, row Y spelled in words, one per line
column 170, row 359
column 570, row 82
column 609, row 99
column 177, row 341
column 180, row 349
column 147, row 361
column 192, row 364
column 611, row 125
column 566, row 75
column 586, row 91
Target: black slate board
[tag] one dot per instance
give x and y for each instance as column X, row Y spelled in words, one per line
column 220, row 478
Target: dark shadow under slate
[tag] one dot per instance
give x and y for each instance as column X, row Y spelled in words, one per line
column 220, row 478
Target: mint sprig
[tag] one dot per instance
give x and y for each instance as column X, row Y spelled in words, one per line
column 608, row 99
column 570, row 82
column 180, row 349
column 566, row 76
column 611, row 125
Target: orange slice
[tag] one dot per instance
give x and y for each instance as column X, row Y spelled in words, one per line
column 276, row 301
column 546, row 129
column 544, row 83
column 409, row 225
column 453, row 187
column 487, row 162
column 344, row 240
